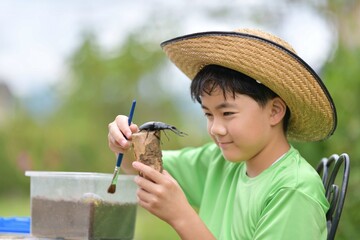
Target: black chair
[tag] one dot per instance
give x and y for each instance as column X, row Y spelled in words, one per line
column 335, row 187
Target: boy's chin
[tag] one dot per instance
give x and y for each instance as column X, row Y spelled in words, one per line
column 233, row 159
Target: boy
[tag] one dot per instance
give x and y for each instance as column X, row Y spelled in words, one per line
column 256, row 94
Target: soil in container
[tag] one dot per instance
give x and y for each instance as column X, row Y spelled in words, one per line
column 82, row 219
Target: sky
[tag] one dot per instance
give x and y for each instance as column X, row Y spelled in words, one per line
column 37, row 36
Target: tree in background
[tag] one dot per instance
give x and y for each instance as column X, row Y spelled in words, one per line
column 342, row 77
column 98, row 87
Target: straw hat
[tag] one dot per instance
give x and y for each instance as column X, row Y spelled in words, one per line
column 269, row 60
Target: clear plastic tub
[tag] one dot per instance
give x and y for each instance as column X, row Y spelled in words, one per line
column 76, row 205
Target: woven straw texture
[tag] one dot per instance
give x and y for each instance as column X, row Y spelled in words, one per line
column 271, row 61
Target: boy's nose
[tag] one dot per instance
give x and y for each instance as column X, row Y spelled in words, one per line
column 217, row 128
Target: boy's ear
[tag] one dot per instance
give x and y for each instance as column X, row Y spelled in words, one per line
column 278, row 110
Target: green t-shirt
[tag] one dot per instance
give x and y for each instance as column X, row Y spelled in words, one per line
column 286, row 201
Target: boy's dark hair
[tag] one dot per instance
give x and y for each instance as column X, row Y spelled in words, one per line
column 234, row 82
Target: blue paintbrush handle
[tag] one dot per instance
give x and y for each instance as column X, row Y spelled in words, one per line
column 120, row 156
column 119, row 160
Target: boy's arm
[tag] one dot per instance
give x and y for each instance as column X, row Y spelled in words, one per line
column 192, row 227
column 292, row 214
column 161, row 195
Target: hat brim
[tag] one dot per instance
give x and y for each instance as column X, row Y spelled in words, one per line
column 313, row 114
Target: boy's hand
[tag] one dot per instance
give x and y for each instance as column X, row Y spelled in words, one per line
column 161, row 195
column 120, row 134
column 119, row 141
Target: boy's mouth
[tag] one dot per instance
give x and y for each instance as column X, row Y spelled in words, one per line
column 223, row 144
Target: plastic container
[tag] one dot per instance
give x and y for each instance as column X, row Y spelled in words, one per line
column 76, row 205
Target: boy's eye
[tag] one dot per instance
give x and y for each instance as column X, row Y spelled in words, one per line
column 227, row 113
column 207, row 114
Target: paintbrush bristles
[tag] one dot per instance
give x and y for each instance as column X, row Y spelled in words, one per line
column 112, row 188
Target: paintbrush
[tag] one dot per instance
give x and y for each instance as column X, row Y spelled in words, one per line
column 112, row 187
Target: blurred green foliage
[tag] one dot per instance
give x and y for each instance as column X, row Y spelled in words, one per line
column 342, row 77
column 74, row 137
column 97, row 88
column 100, row 85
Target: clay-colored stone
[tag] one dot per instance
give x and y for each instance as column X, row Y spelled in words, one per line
column 147, row 149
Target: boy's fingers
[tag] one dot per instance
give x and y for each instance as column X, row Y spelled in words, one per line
column 113, row 145
column 134, row 128
column 149, row 172
column 117, row 136
column 144, row 184
column 123, row 126
column 144, row 196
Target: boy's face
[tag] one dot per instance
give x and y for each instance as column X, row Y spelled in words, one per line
column 240, row 127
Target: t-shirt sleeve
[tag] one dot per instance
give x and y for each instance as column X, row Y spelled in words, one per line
column 189, row 167
column 291, row 214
